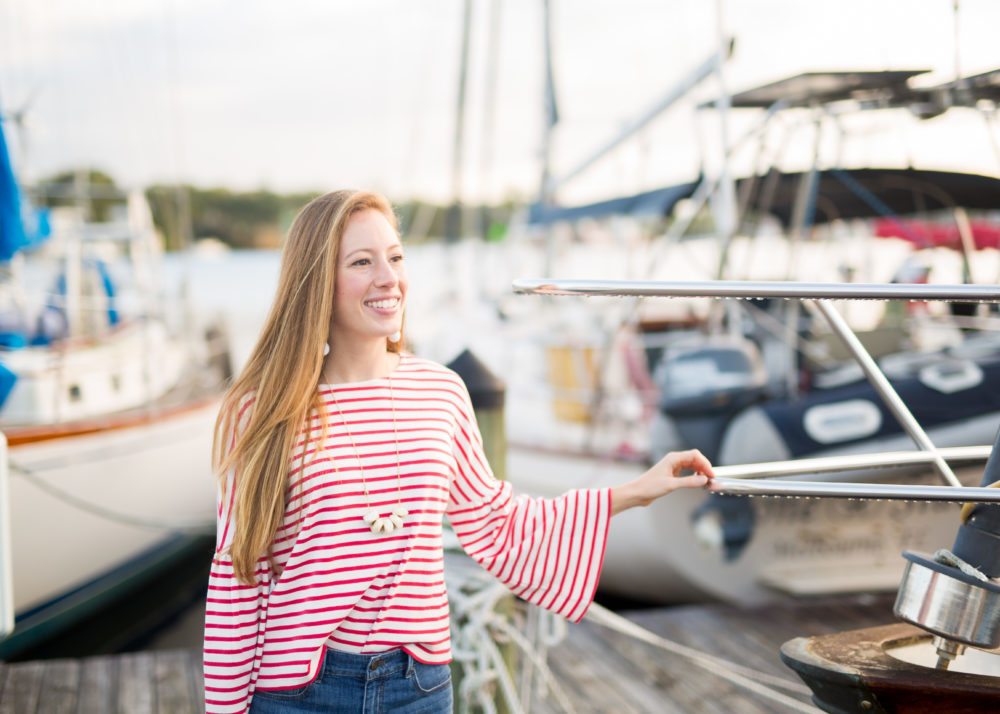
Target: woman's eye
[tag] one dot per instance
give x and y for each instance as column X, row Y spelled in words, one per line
column 361, row 261
column 397, row 258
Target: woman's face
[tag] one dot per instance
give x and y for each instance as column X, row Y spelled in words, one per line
column 371, row 280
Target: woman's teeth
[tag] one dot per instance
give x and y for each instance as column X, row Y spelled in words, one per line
column 383, row 304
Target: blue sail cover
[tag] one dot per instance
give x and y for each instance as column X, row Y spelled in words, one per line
column 12, row 235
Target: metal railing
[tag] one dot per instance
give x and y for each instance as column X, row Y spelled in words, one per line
column 820, row 294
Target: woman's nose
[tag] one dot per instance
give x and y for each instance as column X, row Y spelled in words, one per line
column 384, row 273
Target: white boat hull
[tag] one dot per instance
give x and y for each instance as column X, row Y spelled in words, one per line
column 83, row 505
column 798, row 546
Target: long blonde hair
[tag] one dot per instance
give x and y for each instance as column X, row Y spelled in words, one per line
column 278, row 383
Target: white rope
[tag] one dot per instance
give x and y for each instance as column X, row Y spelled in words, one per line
column 745, row 677
column 477, row 625
column 478, row 652
column 480, row 629
column 538, row 659
column 946, row 557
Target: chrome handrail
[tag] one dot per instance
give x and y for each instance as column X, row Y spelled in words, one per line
column 760, row 289
column 838, row 489
column 850, row 462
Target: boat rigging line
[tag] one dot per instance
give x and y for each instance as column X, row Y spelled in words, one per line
column 759, row 683
column 107, row 513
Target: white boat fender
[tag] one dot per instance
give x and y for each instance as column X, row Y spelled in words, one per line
column 848, row 420
column 951, row 377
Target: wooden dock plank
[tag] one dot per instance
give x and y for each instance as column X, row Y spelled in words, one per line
column 60, row 687
column 604, row 678
column 98, row 684
column 706, row 692
column 196, row 670
column 22, row 688
column 173, row 686
column 136, row 693
column 674, row 683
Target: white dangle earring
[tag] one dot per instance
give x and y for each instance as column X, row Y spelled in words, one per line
column 395, row 336
column 326, row 349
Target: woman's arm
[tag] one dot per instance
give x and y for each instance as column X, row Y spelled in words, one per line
column 661, row 479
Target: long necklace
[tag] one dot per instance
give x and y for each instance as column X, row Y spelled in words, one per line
column 375, row 520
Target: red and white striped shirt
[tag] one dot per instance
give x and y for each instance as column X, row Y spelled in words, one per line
column 344, row 587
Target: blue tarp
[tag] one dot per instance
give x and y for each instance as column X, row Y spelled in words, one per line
column 7, row 380
column 12, row 236
column 18, row 228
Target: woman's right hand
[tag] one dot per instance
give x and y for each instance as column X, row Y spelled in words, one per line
column 663, row 478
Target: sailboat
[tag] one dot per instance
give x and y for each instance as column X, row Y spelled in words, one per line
column 108, row 395
column 619, row 398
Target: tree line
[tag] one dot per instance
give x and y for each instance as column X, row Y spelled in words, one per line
column 249, row 219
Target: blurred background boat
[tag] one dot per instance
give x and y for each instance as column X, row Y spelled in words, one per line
column 109, row 388
column 599, row 390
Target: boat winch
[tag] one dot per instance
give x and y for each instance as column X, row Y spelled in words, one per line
column 945, row 656
column 956, row 595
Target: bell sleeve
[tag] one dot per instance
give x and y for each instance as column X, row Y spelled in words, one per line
column 235, row 617
column 548, row 551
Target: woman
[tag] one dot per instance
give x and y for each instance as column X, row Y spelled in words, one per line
column 338, row 457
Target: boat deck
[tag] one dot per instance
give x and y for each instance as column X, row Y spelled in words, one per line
column 599, row 669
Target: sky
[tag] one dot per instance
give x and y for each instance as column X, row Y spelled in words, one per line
column 323, row 94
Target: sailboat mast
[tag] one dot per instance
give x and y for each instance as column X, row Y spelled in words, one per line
column 724, row 199
column 489, row 115
column 454, row 229
column 545, row 188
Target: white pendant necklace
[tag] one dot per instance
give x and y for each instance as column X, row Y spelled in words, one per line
column 375, row 520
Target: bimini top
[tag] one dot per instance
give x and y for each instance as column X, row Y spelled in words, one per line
column 869, row 193
column 870, row 91
column 812, row 88
column 838, row 194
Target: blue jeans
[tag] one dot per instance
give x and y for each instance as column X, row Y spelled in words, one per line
column 365, row 684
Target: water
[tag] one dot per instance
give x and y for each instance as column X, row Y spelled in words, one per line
column 236, row 286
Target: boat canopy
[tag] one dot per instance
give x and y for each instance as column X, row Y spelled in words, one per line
column 878, row 90
column 838, row 194
column 811, row 88
column 870, row 193
column 656, row 203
